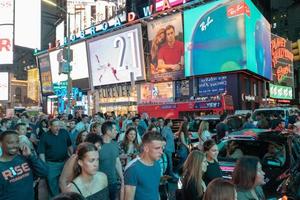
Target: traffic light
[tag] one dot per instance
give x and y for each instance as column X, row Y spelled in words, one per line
column 296, row 50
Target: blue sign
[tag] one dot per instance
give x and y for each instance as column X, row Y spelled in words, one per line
column 212, row 85
column 207, row 105
column 168, row 106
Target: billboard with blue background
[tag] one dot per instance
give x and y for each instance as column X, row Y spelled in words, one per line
column 226, row 36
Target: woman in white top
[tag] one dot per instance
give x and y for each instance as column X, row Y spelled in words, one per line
column 203, row 133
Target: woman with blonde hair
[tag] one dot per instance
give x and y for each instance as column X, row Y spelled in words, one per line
column 193, row 186
column 157, row 41
column 220, row 189
column 203, row 133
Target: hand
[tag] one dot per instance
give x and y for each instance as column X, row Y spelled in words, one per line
column 25, row 150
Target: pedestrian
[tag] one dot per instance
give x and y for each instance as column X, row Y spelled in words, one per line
column 203, row 134
column 248, row 178
column 109, row 160
column 220, row 189
column 185, row 141
column 54, row 148
column 18, row 166
column 222, row 128
column 89, row 182
column 142, row 176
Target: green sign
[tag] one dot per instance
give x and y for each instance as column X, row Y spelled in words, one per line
column 281, row 92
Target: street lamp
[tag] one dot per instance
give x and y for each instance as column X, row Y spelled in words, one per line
column 69, row 87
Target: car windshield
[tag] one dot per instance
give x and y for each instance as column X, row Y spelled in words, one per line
column 267, row 113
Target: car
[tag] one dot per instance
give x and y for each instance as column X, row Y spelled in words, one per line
column 258, row 142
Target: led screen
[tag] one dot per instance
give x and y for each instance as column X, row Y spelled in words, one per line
column 6, row 11
column 116, row 57
column 4, row 80
column 28, row 23
column 224, row 36
column 156, row 92
column 45, row 73
column 167, row 49
column 6, row 44
column 79, row 64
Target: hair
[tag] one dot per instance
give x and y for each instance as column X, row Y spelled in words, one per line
column 20, row 124
column 135, row 118
column 170, row 27
column 204, row 125
column 94, row 126
column 219, row 189
column 107, row 126
column 192, row 170
column 51, row 122
column 82, row 149
column 167, row 121
column 155, row 45
column 151, row 136
column 6, row 133
column 79, row 137
column 208, row 144
column 93, row 138
column 125, row 142
column 245, row 171
column 184, row 128
column 69, row 196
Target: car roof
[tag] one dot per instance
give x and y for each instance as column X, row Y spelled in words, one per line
column 256, row 134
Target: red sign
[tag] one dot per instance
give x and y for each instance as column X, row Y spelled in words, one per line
column 238, row 9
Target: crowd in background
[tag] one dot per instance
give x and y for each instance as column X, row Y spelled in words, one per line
column 131, row 156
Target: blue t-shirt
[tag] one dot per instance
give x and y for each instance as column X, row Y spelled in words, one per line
column 145, row 178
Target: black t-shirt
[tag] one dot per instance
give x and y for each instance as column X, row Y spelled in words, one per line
column 213, row 171
column 221, row 130
column 55, row 147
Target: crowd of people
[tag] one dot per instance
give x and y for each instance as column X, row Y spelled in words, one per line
column 122, row 157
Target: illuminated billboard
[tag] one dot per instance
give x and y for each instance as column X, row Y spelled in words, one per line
column 6, row 44
column 79, row 64
column 282, row 61
column 33, row 84
column 28, row 23
column 156, row 93
column 281, row 92
column 117, row 57
column 6, row 12
column 163, row 4
column 43, row 62
column 165, row 37
column 4, row 86
column 224, row 36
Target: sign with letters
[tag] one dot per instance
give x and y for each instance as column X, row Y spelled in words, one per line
column 6, row 44
column 281, row 92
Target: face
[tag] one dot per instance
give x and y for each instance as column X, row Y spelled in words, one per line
column 204, row 164
column 83, row 136
column 113, row 132
column 55, row 127
column 90, row 163
column 170, row 35
column 136, row 122
column 213, row 152
column 154, row 149
column 260, row 175
column 10, row 144
column 72, row 124
column 131, row 135
column 22, row 130
column 161, row 122
column 161, row 37
column 98, row 145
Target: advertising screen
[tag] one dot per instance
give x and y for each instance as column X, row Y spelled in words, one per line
column 212, row 85
column 6, row 11
column 6, row 44
column 167, row 49
column 281, row 92
column 219, row 38
column 45, row 73
column 183, row 89
column 156, row 93
column 117, row 57
column 79, row 64
column 33, row 84
column 160, row 4
column 282, row 61
column 28, row 23
column 4, row 87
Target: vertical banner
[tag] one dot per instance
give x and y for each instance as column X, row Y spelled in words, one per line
column 167, row 48
column 45, row 74
column 4, row 83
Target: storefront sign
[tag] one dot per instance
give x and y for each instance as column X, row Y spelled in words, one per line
column 212, row 85
column 115, row 91
column 282, row 61
column 281, row 92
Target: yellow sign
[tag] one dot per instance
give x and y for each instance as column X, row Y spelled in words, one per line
column 33, row 84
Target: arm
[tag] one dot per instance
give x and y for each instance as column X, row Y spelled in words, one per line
column 67, row 174
column 70, row 150
column 162, row 66
column 42, row 157
column 182, row 140
column 129, row 192
column 120, row 173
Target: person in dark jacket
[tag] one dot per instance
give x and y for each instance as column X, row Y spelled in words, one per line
column 18, row 170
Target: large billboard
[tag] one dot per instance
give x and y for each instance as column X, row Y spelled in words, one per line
column 28, row 23
column 117, row 57
column 4, row 86
column 209, row 86
column 6, row 44
column 6, row 12
column 79, row 64
column 282, row 61
column 281, row 92
column 224, row 36
column 165, row 37
column 156, row 93
column 43, row 62
column 33, row 84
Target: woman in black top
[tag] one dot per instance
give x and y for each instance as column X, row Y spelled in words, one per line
column 213, row 168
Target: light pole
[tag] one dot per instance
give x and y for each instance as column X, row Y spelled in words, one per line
column 69, row 86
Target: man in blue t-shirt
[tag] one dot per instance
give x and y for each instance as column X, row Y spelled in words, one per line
column 142, row 177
